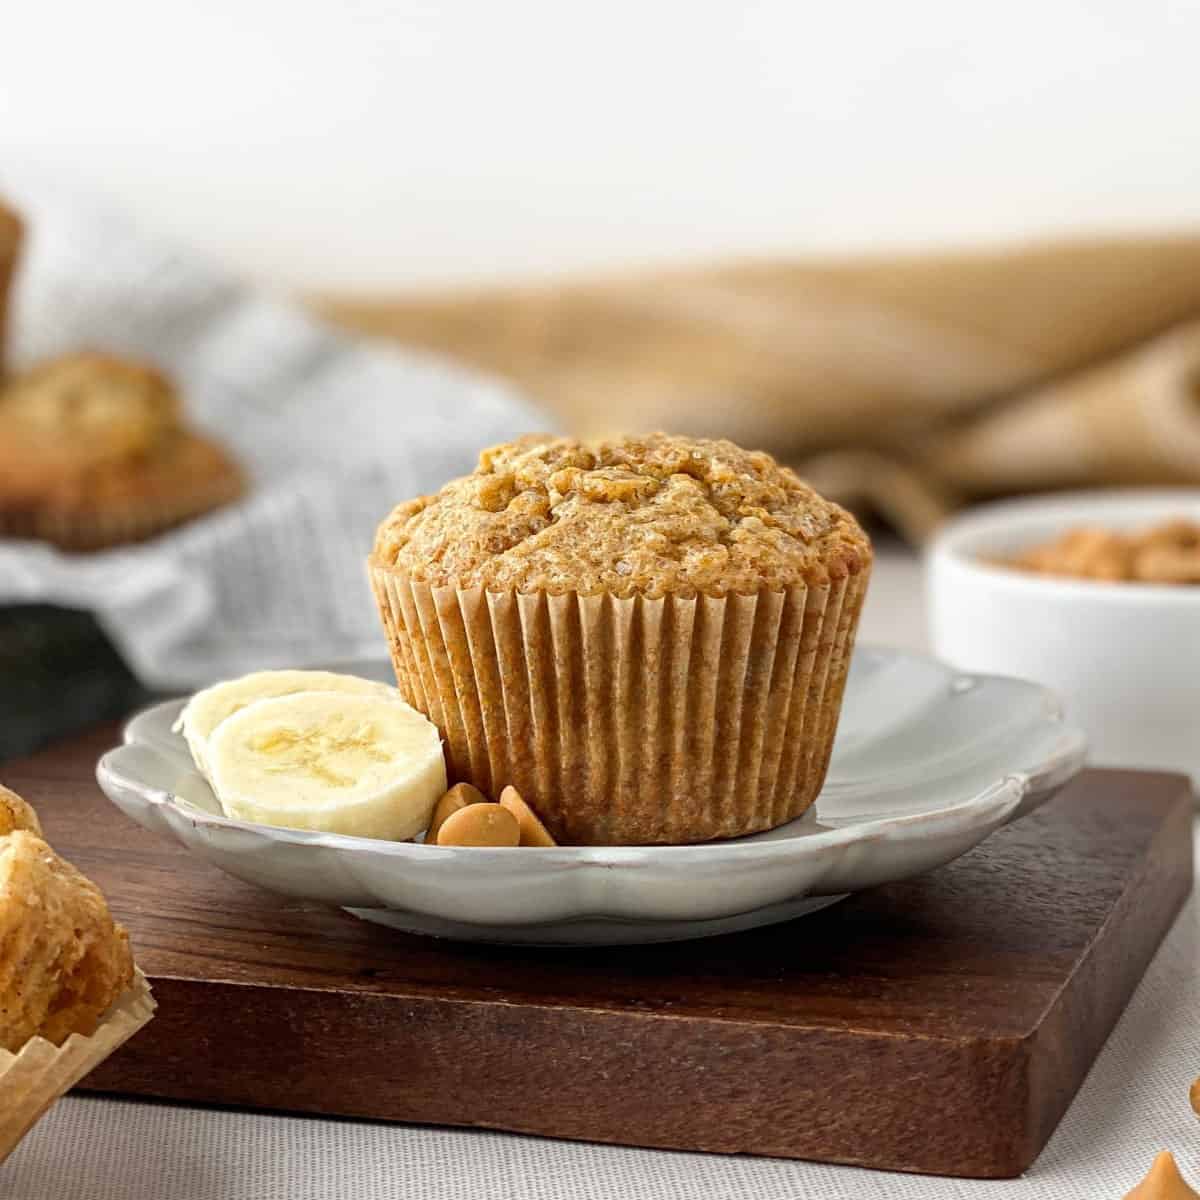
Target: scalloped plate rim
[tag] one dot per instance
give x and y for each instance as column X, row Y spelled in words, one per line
column 1058, row 748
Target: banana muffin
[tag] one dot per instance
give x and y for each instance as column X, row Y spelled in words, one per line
column 69, row 991
column 10, row 245
column 67, row 960
column 94, row 452
column 648, row 637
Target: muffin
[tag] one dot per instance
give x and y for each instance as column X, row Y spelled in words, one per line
column 648, row 637
column 10, row 244
column 69, row 991
column 94, row 453
column 65, row 959
column 16, row 814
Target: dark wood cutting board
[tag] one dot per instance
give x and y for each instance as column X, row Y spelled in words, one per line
column 940, row 1025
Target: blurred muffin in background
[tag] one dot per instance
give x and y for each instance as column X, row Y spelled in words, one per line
column 10, row 245
column 94, row 453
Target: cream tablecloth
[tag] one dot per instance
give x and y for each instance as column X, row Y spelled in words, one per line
column 1133, row 1104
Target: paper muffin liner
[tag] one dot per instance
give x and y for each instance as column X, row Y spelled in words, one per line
column 629, row 720
column 40, row 1072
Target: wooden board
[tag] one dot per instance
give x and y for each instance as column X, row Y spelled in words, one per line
column 940, row 1025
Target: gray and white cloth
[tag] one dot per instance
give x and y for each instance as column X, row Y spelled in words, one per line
column 333, row 431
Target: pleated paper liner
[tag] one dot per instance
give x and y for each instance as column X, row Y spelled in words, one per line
column 40, row 1072
column 628, row 720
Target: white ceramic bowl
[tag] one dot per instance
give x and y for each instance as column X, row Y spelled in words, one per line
column 1123, row 657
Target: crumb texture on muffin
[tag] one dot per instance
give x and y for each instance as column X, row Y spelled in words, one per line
column 63, row 960
column 650, row 516
column 16, row 814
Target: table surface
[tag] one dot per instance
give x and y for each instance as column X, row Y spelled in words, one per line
column 1133, row 1103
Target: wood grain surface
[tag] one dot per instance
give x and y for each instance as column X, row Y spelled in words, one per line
column 940, row 1025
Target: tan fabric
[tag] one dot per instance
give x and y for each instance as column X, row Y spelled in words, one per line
column 908, row 383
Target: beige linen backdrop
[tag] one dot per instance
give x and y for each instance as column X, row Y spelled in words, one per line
column 909, row 384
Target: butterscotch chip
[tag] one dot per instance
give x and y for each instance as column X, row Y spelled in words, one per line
column 533, row 832
column 1164, row 1182
column 1166, row 564
column 16, row 814
column 1084, row 553
column 1194, row 1097
column 1166, row 553
column 459, row 796
column 1179, row 532
column 480, row 825
column 63, row 961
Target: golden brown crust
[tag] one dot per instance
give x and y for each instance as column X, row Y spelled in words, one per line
column 93, row 454
column 16, row 814
column 63, row 960
column 652, row 516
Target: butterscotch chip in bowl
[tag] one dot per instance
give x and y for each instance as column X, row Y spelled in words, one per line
column 1166, row 564
column 1167, row 553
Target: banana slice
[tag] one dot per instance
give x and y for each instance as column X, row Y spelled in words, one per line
column 331, row 761
column 207, row 709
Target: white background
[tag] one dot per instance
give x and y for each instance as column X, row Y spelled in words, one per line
column 386, row 143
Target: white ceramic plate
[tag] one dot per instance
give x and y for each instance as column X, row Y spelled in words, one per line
column 927, row 763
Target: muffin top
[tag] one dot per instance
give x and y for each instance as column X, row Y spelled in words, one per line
column 645, row 515
column 93, row 449
column 94, row 406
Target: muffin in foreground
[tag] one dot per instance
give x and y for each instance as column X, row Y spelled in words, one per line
column 648, row 637
column 73, row 959
column 69, row 991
